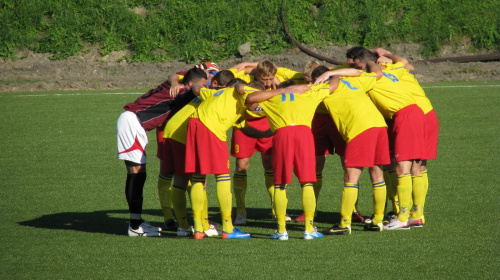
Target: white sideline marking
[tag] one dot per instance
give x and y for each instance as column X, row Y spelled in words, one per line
column 471, row 86
column 138, row 93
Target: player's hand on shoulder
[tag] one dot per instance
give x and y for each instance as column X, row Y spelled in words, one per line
column 175, row 88
column 298, row 88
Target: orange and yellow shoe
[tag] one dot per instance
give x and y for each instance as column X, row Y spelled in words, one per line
column 199, row 235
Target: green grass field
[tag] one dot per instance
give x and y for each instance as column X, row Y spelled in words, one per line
column 65, row 215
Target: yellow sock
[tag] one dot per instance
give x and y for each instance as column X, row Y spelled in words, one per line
column 280, row 203
column 379, row 196
column 198, row 194
column 349, row 197
column 240, row 189
column 309, row 206
column 404, row 194
column 165, row 195
column 269, row 178
column 318, row 185
column 392, row 190
column 425, row 179
column 179, row 203
column 204, row 214
column 225, row 198
column 418, row 196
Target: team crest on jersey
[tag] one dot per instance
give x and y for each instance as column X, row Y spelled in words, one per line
column 218, row 93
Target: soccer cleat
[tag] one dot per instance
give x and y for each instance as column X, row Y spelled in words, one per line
column 416, row 222
column 185, row 232
column 390, row 217
column 369, row 220
column 170, row 225
column 397, row 224
column 301, row 218
column 146, row 224
column 337, row 230
column 313, row 235
column 144, row 231
column 212, row 231
column 199, row 235
column 236, row 234
column 374, row 227
column 241, row 219
column 357, row 217
column 280, row 236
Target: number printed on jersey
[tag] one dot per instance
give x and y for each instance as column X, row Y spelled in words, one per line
column 285, row 98
column 390, row 77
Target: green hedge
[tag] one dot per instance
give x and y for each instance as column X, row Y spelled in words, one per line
column 196, row 30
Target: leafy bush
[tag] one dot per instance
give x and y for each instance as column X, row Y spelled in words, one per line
column 159, row 30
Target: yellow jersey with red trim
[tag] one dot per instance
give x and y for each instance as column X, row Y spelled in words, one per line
column 351, row 109
column 220, row 109
column 176, row 127
column 291, row 109
column 389, row 93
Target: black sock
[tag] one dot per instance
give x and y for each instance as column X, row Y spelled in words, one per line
column 133, row 192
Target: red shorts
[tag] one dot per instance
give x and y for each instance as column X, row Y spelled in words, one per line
column 205, row 153
column 174, row 158
column 369, row 148
column 408, row 133
column 160, row 143
column 243, row 146
column 293, row 149
column 431, row 135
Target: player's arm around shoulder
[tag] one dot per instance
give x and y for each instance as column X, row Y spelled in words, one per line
column 261, row 96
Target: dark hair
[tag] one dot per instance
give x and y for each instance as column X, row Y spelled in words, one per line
column 235, row 81
column 365, row 55
column 318, row 71
column 352, row 52
column 286, row 83
column 194, row 75
column 223, row 77
column 256, row 85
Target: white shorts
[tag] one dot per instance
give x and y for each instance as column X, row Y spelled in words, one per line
column 132, row 138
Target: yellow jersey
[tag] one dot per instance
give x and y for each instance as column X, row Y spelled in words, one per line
column 389, row 93
column 290, row 109
column 176, row 127
column 351, row 109
column 220, row 109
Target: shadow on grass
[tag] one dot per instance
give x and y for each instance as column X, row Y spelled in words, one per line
column 105, row 222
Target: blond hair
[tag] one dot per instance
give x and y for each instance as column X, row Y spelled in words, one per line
column 265, row 68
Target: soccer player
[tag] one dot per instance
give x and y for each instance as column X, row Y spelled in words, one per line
column 430, row 133
column 364, row 132
column 290, row 115
column 175, row 149
column 148, row 112
column 397, row 104
column 243, row 146
column 207, row 153
column 174, row 85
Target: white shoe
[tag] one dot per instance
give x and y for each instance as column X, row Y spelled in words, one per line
column 212, row 231
column 146, row 224
column 313, row 235
column 280, row 236
column 396, row 224
column 241, row 219
column 144, row 231
column 185, row 232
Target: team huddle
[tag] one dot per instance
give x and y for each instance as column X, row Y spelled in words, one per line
column 371, row 111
